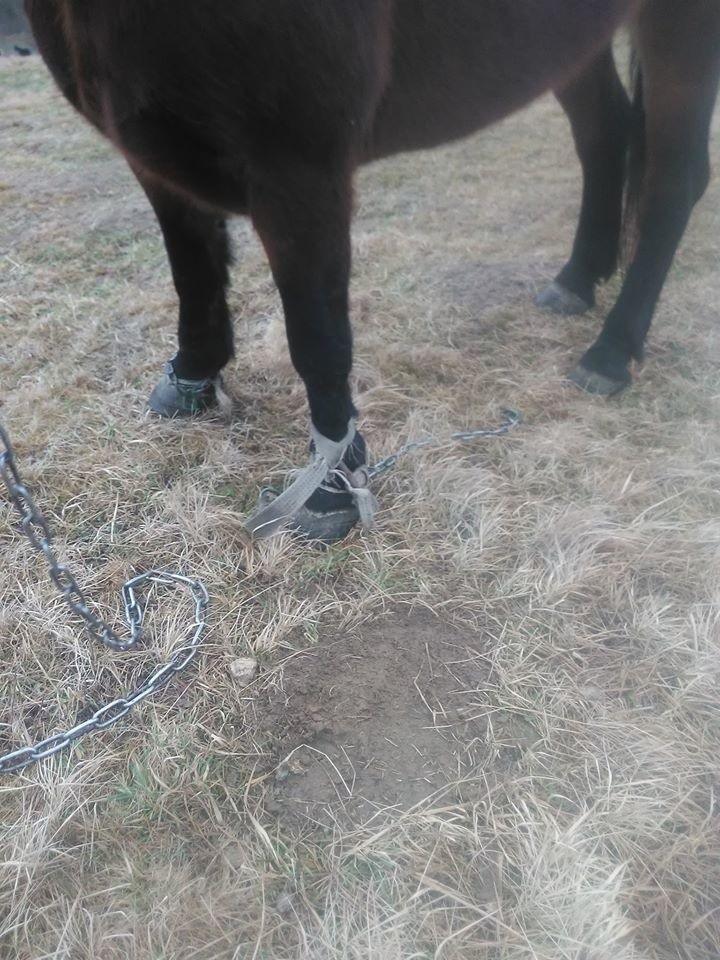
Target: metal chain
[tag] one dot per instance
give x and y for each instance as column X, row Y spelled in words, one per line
column 36, row 530
column 38, row 533
column 512, row 419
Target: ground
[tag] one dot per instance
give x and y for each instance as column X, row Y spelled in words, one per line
column 486, row 731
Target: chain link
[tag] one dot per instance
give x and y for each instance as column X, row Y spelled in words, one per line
column 512, row 419
column 38, row 533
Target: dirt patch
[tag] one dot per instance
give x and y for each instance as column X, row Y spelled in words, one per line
column 382, row 717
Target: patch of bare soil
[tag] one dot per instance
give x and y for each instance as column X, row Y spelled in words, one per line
column 385, row 716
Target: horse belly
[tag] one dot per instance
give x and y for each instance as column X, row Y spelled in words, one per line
column 183, row 155
column 459, row 66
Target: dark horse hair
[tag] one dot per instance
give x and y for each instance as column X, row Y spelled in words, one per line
column 266, row 108
column 650, row 151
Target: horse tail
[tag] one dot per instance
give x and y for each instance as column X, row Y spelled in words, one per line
column 636, row 159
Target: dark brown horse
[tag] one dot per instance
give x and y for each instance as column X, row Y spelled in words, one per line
column 267, row 107
column 666, row 129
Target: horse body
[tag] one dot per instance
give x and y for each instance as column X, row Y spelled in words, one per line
column 456, row 68
column 196, row 94
column 266, row 107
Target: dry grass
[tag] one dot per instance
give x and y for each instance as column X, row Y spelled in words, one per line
column 584, row 550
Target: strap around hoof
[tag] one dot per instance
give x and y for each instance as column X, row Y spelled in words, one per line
column 332, row 451
column 327, row 456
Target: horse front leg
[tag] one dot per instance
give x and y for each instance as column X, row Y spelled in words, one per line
column 303, row 219
column 598, row 109
column 302, row 214
column 199, row 253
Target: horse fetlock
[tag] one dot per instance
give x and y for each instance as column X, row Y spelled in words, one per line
column 203, row 355
column 331, row 411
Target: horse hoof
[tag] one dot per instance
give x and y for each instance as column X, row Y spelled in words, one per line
column 174, row 397
column 559, row 300
column 597, row 384
column 342, row 500
column 323, row 520
column 332, row 511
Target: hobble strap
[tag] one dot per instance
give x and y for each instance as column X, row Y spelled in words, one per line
column 367, row 506
column 364, row 499
column 327, row 456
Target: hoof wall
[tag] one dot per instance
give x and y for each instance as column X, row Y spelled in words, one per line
column 327, row 517
column 562, row 301
column 174, row 397
column 324, row 527
column 597, row 384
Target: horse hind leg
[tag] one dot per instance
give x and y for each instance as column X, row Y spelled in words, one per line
column 199, row 253
column 680, row 60
column 599, row 112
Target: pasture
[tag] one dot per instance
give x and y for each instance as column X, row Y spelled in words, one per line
column 487, row 731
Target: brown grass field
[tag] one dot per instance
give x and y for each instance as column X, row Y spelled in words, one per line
column 487, row 731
